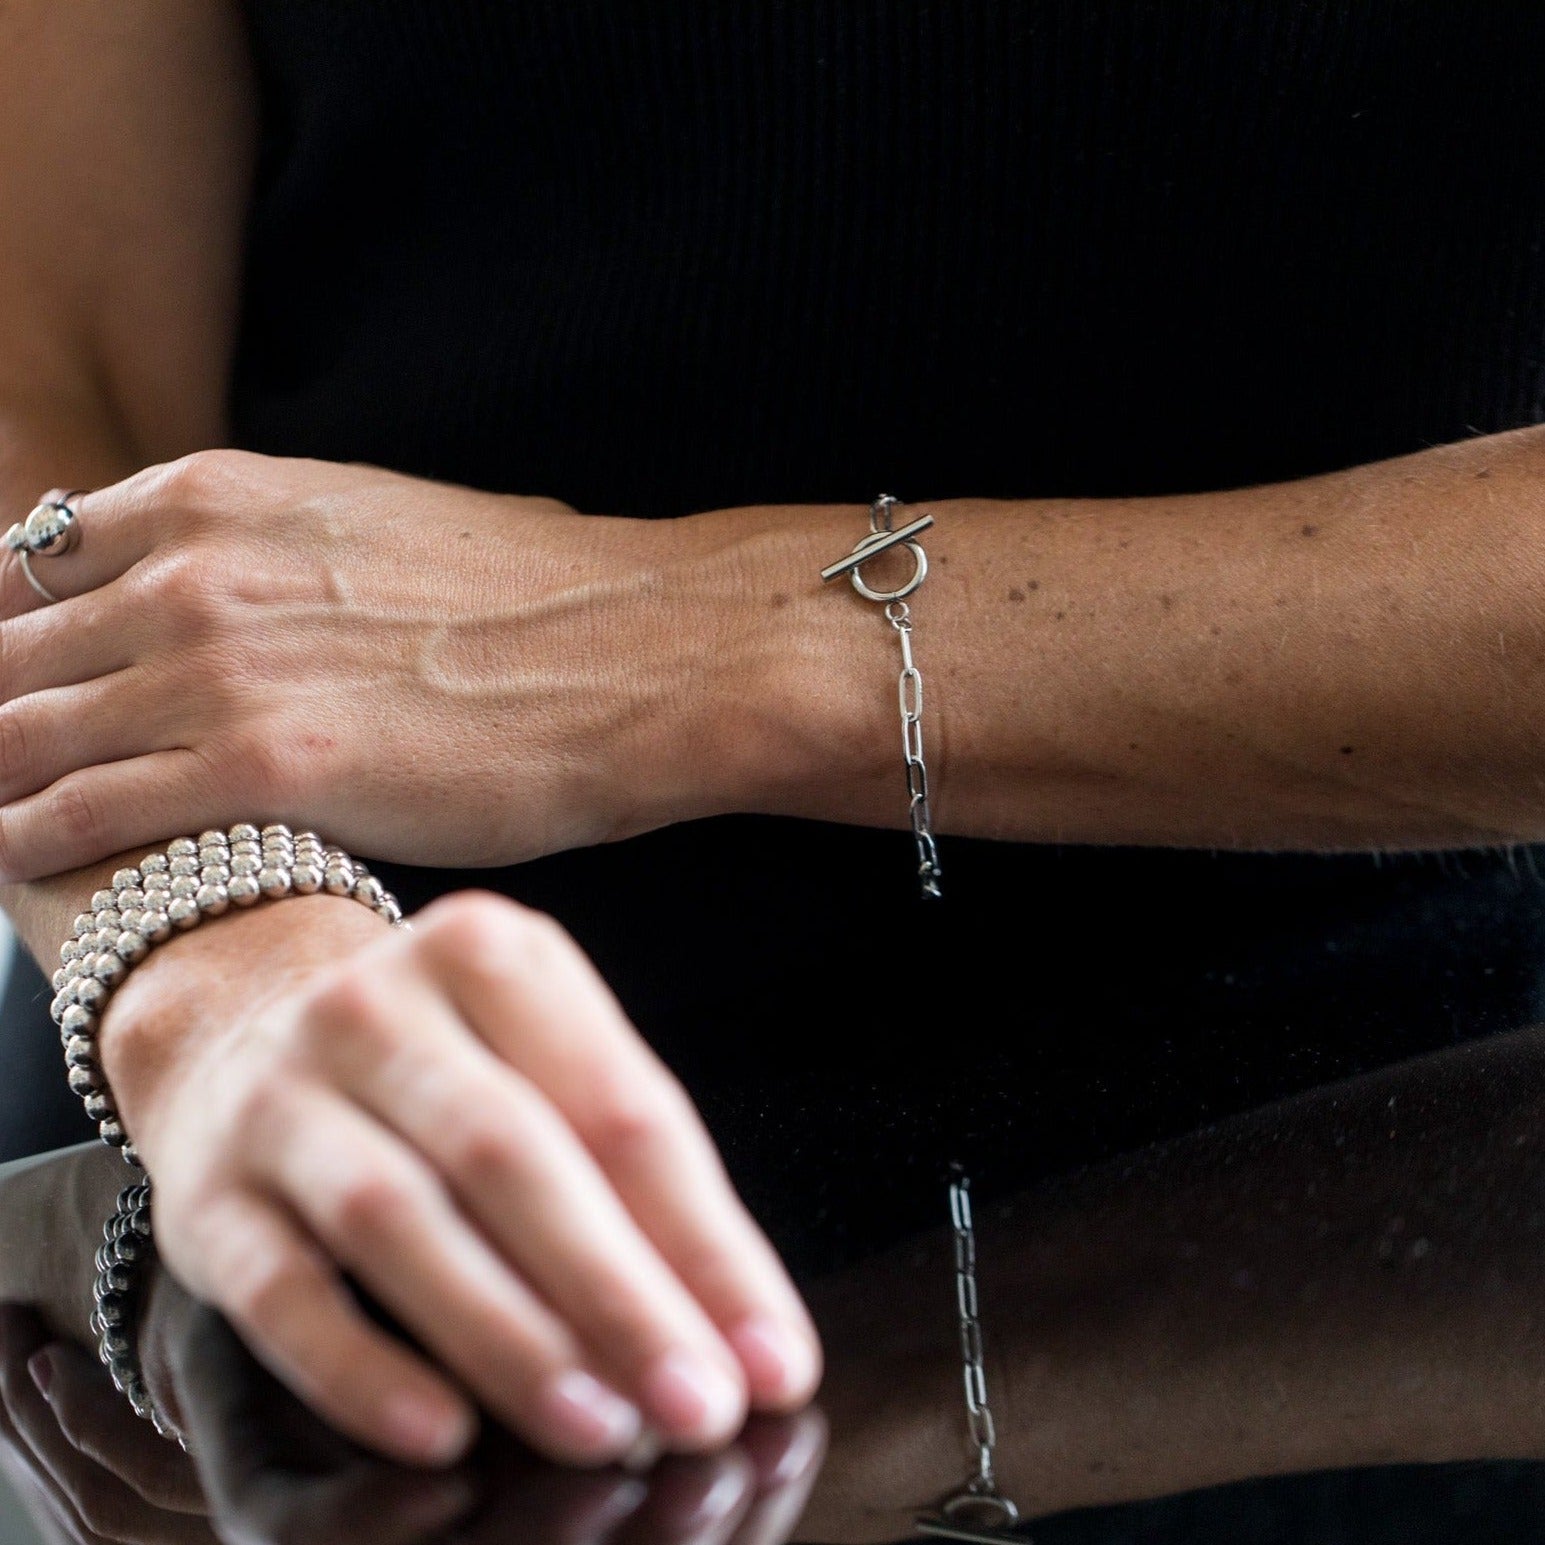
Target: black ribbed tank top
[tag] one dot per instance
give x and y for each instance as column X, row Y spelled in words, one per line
column 653, row 259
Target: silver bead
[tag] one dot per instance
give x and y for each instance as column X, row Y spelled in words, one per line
column 274, row 882
column 110, row 970
column 390, row 911
column 107, row 935
column 188, row 865
column 245, row 863
column 92, row 994
column 306, row 878
column 131, row 1156
column 85, row 922
column 248, row 845
column 211, row 839
column 130, row 919
column 278, row 830
column 102, row 900
column 212, row 899
column 131, row 947
column 214, row 874
column 243, row 831
column 183, row 913
column 154, row 926
column 126, row 879
column 86, row 1079
column 68, row 951
column 155, row 864
column 369, row 890
column 113, row 1134
column 338, row 880
column 100, row 1107
column 81, row 1052
column 134, row 896
column 243, row 890
column 185, row 885
column 181, row 847
column 60, row 977
column 49, row 529
column 61, row 1006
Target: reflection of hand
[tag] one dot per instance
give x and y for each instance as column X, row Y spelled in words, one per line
column 275, row 1472
column 241, row 632
column 74, row 1444
column 462, row 1119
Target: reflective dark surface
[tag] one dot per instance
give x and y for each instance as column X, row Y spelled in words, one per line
column 1318, row 1321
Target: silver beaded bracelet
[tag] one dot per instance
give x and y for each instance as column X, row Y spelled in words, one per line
column 880, row 538
column 165, row 894
column 172, row 892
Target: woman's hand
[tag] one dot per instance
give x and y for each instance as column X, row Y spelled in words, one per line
column 462, row 1120
column 72, row 1441
column 245, row 637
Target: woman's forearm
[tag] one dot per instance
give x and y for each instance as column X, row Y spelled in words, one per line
column 1349, row 660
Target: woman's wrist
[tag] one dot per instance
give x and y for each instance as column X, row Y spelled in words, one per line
column 793, row 711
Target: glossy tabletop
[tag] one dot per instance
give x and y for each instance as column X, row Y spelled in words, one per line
column 1318, row 1321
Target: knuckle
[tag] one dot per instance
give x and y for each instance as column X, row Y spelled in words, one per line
column 626, row 1123
column 268, row 766
column 259, row 1289
column 479, row 1152
column 204, row 477
column 15, row 744
column 76, row 812
column 368, row 1205
column 183, row 586
column 349, row 1018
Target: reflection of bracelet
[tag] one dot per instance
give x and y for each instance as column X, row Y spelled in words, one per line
column 978, row 1511
column 880, row 539
column 125, row 1251
column 173, row 891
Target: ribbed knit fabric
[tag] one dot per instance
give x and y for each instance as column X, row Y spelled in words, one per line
column 658, row 258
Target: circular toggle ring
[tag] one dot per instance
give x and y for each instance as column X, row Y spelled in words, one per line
column 50, row 531
column 884, row 539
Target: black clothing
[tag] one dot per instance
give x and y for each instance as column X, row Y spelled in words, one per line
column 654, row 259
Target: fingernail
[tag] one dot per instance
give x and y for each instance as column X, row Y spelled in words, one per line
column 777, row 1360
column 689, row 1396
column 41, row 1366
column 589, row 1414
column 427, row 1428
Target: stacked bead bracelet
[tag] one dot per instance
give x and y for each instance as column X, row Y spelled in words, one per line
column 172, row 892
column 165, row 894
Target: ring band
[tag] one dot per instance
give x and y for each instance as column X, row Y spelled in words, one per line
column 32, row 579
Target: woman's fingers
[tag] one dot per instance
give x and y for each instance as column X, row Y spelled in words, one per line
column 89, row 815
column 517, row 1168
column 381, row 1212
column 286, row 1299
column 48, row 735
column 76, row 640
column 530, row 992
column 96, row 1419
column 94, row 1501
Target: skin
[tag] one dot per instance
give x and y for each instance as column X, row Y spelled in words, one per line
column 1344, row 661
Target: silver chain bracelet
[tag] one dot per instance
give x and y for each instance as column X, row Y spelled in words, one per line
column 978, row 1512
column 881, row 538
